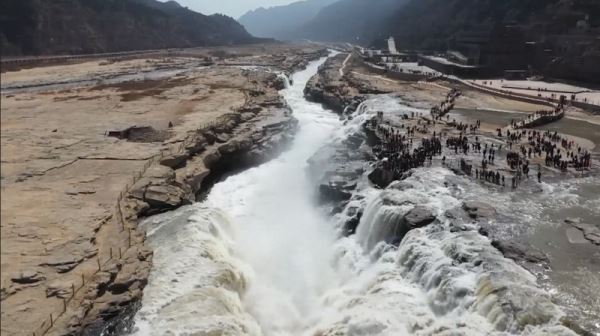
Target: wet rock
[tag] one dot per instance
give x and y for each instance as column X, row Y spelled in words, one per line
column 333, row 192
column 519, row 252
column 590, row 232
column 278, row 83
column 223, row 137
column 418, row 217
column 354, row 141
column 456, row 227
column 399, row 225
column 453, row 213
column 513, row 306
column 572, row 325
column 27, row 277
column 381, row 177
column 477, row 210
column 354, row 215
column 210, row 159
column 575, row 236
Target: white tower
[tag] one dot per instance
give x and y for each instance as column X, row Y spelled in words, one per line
column 392, row 46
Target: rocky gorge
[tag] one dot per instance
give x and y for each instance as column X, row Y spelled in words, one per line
column 181, row 162
column 256, row 133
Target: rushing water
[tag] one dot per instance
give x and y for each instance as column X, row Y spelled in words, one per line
column 259, row 257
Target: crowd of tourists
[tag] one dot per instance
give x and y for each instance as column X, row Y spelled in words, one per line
column 398, row 155
column 395, row 149
column 559, row 151
column 438, row 111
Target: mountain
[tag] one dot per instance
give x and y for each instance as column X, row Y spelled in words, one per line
column 280, row 21
column 428, row 24
column 358, row 21
column 556, row 38
column 43, row 27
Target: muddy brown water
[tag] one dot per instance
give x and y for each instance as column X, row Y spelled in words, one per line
column 574, row 275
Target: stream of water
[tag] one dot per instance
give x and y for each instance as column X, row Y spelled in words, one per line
column 260, row 257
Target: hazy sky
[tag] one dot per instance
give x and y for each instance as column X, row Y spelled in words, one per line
column 234, row 8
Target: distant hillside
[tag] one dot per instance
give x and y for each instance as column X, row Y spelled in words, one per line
column 358, row 21
column 280, row 21
column 557, row 38
column 427, row 24
column 45, row 27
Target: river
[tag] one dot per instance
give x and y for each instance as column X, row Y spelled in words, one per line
column 259, row 256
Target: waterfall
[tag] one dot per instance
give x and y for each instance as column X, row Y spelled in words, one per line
column 258, row 257
column 193, row 270
column 285, row 78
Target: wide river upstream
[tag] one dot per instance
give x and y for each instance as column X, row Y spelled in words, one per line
column 259, row 256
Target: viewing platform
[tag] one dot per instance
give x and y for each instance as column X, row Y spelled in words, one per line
column 540, row 118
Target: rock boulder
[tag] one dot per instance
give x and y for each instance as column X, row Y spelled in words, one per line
column 477, row 210
column 519, row 252
column 174, row 161
column 165, row 196
column 381, row 177
column 590, row 232
column 418, row 217
column 27, row 277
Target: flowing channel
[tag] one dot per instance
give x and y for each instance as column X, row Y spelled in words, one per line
column 260, row 257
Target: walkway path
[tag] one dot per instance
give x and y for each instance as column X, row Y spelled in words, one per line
column 542, row 90
column 344, row 65
column 540, row 118
column 375, row 76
